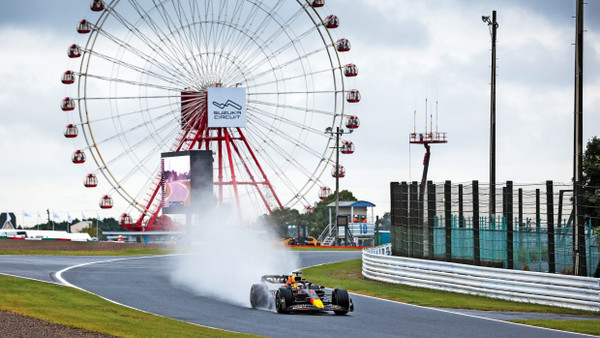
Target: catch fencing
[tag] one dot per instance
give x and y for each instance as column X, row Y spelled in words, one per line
column 524, row 286
column 457, row 223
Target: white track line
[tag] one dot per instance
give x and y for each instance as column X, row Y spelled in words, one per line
column 65, row 283
column 458, row 313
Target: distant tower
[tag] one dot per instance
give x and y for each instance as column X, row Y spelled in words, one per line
column 429, row 136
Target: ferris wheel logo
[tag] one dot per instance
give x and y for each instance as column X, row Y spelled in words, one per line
column 229, row 103
column 228, row 108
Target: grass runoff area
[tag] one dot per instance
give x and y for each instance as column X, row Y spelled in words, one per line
column 348, row 275
column 80, row 309
column 71, row 307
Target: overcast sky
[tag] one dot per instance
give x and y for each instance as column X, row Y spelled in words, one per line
column 407, row 51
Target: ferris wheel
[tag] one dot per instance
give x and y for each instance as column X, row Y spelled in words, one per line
column 138, row 84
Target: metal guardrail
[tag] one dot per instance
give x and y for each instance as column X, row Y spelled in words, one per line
column 385, row 249
column 523, row 286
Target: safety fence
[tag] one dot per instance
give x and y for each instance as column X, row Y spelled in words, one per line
column 534, row 230
column 574, row 292
column 529, row 246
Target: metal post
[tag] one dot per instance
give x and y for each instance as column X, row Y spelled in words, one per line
column 493, row 118
column 537, row 210
column 560, row 205
column 493, row 24
column 520, row 208
column 448, row 216
column 476, row 244
column 395, row 217
column 412, row 217
column 337, row 133
column 337, row 180
column 415, row 229
column 377, row 241
column 430, row 217
column 461, row 215
column 579, row 261
column 550, row 220
column 405, row 221
column 510, row 249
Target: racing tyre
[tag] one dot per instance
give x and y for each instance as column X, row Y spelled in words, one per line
column 283, row 299
column 259, row 296
column 340, row 297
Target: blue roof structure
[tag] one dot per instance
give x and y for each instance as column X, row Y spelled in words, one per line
column 353, row 204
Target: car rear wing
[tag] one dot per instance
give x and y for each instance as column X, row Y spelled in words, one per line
column 275, row 279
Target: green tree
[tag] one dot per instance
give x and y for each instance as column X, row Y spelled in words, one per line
column 111, row 224
column 319, row 218
column 591, row 181
column 385, row 222
column 91, row 230
column 106, row 224
column 58, row 226
column 279, row 219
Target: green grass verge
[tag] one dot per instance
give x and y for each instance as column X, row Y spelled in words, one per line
column 124, row 252
column 348, row 275
column 75, row 308
column 591, row 327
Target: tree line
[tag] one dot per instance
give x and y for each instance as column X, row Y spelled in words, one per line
column 316, row 219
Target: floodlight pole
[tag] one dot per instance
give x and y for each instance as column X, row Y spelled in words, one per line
column 337, row 173
column 493, row 24
column 579, row 254
column 337, row 133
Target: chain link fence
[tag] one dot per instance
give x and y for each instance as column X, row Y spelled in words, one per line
column 530, row 227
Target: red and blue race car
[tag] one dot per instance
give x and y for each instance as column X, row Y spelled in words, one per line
column 294, row 293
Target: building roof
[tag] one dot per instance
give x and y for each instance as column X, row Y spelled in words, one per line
column 77, row 227
column 352, row 204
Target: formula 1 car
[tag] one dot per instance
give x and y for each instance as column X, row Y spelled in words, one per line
column 296, row 294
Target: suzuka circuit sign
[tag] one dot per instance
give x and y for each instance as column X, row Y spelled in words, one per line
column 226, row 107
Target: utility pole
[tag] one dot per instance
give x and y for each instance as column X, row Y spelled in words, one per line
column 493, row 25
column 579, row 254
column 337, row 173
column 48, row 212
column 338, row 132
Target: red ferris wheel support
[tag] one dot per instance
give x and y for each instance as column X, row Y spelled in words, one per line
column 232, row 148
column 228, row 142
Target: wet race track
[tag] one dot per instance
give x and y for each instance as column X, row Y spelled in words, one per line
column 143, row 283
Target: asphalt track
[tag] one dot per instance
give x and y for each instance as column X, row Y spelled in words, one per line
column 143, row 283
column 179, row 192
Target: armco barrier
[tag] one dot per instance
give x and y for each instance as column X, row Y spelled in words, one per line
column 524, row 286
